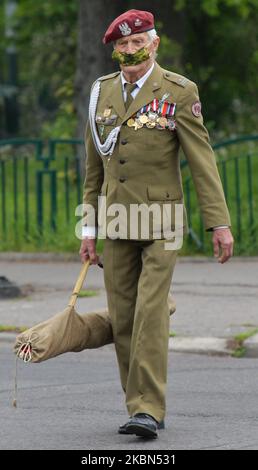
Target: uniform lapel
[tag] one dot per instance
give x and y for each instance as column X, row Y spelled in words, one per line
column 146, row 93
column 115, row 98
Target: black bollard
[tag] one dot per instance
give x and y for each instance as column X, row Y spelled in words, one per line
column 8, row 290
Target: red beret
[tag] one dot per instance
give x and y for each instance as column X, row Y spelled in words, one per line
column 130, row 22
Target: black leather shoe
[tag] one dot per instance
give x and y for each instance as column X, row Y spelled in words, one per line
column 122, row 427
column 142, row 424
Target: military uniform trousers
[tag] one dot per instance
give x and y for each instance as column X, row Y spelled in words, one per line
column 137, row 279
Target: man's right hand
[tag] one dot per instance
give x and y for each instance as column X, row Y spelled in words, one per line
column 88, row 250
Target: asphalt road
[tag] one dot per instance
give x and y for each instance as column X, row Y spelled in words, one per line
column 75, row 402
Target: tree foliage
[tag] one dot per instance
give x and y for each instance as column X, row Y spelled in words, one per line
column 213, row 42
column 46, row 46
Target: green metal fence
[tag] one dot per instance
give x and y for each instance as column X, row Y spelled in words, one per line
column 237, row 161
column 41, row 184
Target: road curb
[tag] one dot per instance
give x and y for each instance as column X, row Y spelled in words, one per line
column 20, row 257
column 74, row 257
column 201, row 345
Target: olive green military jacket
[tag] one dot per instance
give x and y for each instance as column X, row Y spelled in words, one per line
column 145, row 165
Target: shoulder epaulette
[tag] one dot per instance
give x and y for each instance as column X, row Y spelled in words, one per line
column 105, row 77
column 110, row 75
column 176, row 78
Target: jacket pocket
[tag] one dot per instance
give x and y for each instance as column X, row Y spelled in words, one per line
column 161, row 193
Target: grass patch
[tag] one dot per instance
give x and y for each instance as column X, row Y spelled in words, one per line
column 240, row 350
column 247, row 334
column 172, row 334
column 12, row 329
column 88, row 293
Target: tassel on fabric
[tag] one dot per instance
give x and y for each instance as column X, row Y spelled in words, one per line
column 24, row 353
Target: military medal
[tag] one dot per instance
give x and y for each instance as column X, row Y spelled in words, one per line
column 162, row 121
column 171, row 109
column 152, row 116
column 138, row 124
column 135, row 123
column 151, row 124
column 107, row 112
column 171, row 124
column 131, row 122
column 155, row 105
column 98, row 119
column 143, row 118
column 163, row 108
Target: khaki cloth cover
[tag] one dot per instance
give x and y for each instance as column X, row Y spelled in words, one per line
column 64, row 332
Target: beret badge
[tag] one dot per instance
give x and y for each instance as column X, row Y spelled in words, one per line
column 125, row 29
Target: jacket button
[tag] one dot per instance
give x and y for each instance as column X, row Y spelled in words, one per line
column 121, row 161
column 124, row 141
column 122, row 180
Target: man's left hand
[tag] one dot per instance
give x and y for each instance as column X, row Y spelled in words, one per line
column 223, row 242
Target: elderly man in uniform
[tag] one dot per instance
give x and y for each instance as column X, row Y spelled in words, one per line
column 139, row 117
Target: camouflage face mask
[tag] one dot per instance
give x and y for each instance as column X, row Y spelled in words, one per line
column 131, row 59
